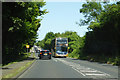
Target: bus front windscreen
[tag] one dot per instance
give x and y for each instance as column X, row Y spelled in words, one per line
column 64, row 49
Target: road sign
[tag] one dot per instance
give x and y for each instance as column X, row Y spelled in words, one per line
column 27, row 46
column 68, row 47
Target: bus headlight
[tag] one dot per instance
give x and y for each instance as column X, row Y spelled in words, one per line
column 66, row 44
column 66, row 54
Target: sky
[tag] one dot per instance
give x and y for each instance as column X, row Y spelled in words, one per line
column 62, row 17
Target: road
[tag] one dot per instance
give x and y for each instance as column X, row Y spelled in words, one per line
column 70, row 68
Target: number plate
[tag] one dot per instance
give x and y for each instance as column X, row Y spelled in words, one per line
column 45, row 54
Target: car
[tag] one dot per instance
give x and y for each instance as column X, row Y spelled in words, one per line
column 44, row 54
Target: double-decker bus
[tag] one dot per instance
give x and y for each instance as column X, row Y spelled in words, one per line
column 60, row 47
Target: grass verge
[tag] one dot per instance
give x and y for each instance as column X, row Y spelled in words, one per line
column 23, row 57
column 15, row 72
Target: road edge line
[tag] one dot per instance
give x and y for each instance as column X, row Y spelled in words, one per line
column 19, row 74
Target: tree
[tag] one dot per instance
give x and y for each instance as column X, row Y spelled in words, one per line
column 49, row 35
column 19, row 27
column 91, row 12
column 75, row 42
column 102, row 42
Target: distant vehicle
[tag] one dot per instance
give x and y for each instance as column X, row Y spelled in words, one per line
column 44, row 54
column 60, row 47
column 37, row 49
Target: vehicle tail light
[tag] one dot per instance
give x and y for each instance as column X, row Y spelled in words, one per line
column 40, row 53
column 50, row 53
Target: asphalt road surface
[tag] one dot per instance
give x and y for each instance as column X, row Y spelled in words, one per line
column 70, row 68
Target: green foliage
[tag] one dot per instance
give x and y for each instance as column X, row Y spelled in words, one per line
column 46, row 42
column 75, row 42
column 102, row 43
column 49, row 35
column 20, row 25
column 91, row 11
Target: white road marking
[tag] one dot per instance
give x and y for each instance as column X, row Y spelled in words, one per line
column 95, row 74
column 79, row 71
column 85, row 71
column 88, row 71
column 55, row 60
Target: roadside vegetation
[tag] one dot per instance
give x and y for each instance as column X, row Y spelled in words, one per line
column 102, row 42
column 20, row 58
column 19, row 28
column 16, row 71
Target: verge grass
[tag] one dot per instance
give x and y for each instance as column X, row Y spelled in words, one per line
column 15, row 72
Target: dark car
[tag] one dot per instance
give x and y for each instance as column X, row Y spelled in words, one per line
column 44, row 54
